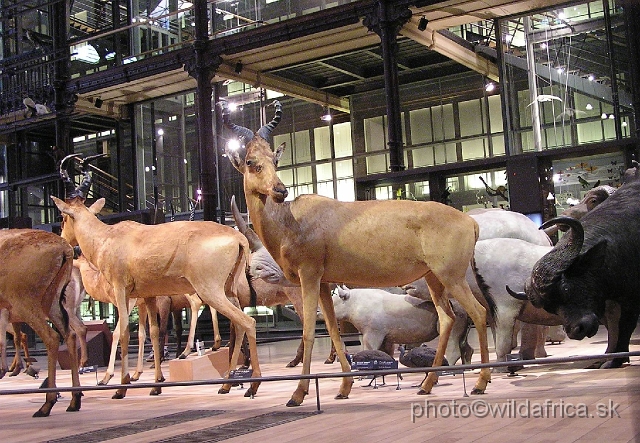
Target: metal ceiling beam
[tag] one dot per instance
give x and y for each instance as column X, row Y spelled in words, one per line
column 274, row 83
column 439, row 42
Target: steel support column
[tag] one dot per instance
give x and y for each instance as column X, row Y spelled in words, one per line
column 63, row 101
column 386, row 21
column 203, row 67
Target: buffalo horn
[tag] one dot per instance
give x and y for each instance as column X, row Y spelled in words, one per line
column 517, row 295
column 547, row 271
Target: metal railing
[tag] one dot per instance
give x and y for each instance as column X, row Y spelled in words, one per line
column 319, row 376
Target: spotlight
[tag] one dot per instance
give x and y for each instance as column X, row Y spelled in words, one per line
column 490, row 87
column 326, row 117
column 238, row 68
column 98, row 103
column 422, row 24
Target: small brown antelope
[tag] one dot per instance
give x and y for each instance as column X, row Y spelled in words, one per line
column 318, row 240
column 19, row 342
column 36, row 267
column 170, row 258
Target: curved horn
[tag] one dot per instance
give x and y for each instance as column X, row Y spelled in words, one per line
column 69, row 186
column 265, row 131
column 517, row 295
column 83, row 189
column 549, row 268
column 240, row 131
column 243, row 227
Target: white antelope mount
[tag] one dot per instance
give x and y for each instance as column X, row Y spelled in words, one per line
column 318, row 240
column 170, row 258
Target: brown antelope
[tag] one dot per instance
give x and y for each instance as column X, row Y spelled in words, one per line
column 19, row 342
column 268, row 293
column 318, row 240
column 171, row 258
column 36, row 267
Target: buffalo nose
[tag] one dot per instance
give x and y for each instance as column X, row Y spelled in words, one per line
column 587, row 326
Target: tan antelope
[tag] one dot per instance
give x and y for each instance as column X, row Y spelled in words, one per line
column 318, row 240
column 171, row 258
column 36, row 267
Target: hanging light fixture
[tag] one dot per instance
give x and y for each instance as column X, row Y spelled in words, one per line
column 326, row 116
column 422, row 24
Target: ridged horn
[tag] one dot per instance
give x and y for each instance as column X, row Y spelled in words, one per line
column 243, row 227
column 84, row 187
column 240, row 131
column 69, row 186
column 265, row 131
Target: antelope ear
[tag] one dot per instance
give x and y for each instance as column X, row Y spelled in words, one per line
column 278, row 153
column 97, row 206
column 62, row 206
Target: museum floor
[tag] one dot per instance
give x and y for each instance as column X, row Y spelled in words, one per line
column 557, row 403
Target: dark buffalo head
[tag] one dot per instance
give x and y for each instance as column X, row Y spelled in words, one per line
column 564, row 281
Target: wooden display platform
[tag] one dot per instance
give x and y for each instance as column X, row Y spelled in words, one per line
column 213, row 364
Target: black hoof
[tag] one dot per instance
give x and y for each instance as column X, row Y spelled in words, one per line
column 182, row 357
column 341, row 397
column 249, row 393
column 423, row 392
column 292, row 403
column 477, row 391
column 223, row 391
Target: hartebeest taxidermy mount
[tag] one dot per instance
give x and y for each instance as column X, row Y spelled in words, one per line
column 318, row 240
column 182, row 257
column 36, row 267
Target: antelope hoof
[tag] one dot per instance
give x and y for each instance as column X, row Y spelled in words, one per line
column 183, row 356
column 76, row 400
column 423, row 392
column 120, row 394
column 2, row 373
column 341, row 397
column 136, row 376
column 105, row 380
column 297, row 398
column 253, row 390
column 15, row 372
column 156, row 391
column 43, row 411
column 477, row 391
column 329, row 361
column 293, row 363
column 224, row 389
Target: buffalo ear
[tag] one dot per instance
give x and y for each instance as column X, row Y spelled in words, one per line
column 591, row 259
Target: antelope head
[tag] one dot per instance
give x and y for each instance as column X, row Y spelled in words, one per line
column 75, row 197
column 255, row 159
